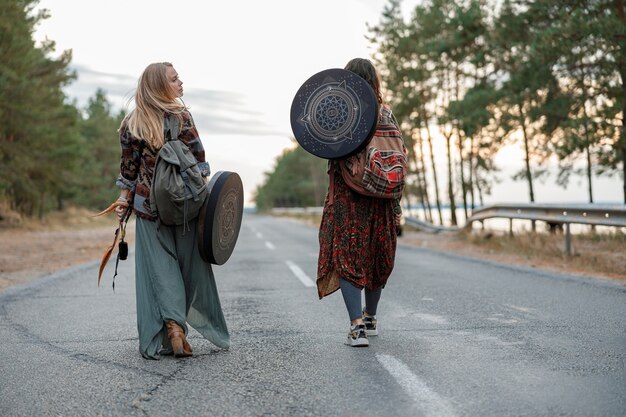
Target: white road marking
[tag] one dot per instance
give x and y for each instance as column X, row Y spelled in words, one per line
column 259, row 235
column 299, row 273
column 503, row 321
column 269, row 245
column 431, row 403
column 427, row 299
column 522, row 309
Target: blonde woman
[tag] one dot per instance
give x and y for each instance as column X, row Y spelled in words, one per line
column 171, row 290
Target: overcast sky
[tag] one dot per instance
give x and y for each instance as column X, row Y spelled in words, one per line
column 241, row 61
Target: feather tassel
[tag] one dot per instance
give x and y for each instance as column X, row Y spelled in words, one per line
column 109, row 250
column 107, row 255
column 111, row 208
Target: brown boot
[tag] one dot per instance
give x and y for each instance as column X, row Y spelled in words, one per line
column 178, row 340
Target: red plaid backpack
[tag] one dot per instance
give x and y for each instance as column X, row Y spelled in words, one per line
column 379, row 169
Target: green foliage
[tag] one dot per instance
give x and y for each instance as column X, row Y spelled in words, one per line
column 550, row 75
column 99, row 166
column 36, row 126
column 299, row 179
column 50, row 154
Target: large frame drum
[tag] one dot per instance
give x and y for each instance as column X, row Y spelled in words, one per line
column 334, row 114
column 220, row 217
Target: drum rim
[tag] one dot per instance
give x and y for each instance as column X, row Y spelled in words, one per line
column 205, row 235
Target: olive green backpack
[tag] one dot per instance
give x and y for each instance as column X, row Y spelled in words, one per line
column 178, row 188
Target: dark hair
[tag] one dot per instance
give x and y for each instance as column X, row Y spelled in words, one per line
column 365, row 69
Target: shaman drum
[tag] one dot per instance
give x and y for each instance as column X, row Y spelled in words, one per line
column 334, row 114
column 220, row 217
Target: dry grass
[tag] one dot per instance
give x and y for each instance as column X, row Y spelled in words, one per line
column 593, row 254
column 32, row 248
column 70, row 218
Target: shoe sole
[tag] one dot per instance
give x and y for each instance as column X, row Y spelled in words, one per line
column 372, row 332
column 360, row 342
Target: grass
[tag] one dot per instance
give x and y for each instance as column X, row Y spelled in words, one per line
column 592, row 253
column 70, row 218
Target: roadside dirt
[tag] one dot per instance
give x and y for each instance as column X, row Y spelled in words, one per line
column 30, row 254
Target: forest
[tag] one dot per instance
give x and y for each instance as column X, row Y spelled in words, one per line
column 482, row 74
column 54, row 154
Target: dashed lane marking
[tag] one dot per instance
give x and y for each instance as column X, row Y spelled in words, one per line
column 299, row 273
column 431, row 403
column 270, row 245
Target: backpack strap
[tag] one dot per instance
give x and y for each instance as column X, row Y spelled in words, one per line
column 172, row 124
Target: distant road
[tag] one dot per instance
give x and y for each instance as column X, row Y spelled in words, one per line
column 458, row 337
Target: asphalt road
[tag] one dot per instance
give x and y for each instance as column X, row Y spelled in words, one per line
column 458, row 337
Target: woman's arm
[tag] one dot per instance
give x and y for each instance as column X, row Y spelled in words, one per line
column 129, row 169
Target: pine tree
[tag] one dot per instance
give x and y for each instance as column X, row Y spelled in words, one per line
column 37, row 128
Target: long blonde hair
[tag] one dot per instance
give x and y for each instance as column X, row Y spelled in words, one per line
column 154, row 97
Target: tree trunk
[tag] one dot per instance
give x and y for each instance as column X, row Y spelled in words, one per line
column 471, row 174
column 422, row 179
column 412, row 169
column 620, row 11
column 529, row 176
column 460, row 143
column 462, row 173
column 622, row 138
column 624, row 153
column 453, row 220
column 480, row 190
column 433, row 166
column 589, row 173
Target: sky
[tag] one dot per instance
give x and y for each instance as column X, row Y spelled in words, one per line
column 242, row 62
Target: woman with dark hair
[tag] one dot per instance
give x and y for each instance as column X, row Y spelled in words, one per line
column 357, row 236
column 174, row 287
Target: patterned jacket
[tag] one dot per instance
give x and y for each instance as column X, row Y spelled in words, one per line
column 138, row 160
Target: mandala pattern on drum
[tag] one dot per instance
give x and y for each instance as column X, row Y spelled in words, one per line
column 332, row 112
column 227, row 216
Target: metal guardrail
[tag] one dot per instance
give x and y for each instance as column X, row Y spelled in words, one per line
column 429, row 227
column 556, row 214
column 593, row 214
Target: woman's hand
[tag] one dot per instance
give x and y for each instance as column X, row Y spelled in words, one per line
column 122, row 207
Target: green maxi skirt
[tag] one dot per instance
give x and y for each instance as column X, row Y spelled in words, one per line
column 174, row 283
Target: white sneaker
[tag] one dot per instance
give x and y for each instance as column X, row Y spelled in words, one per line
column 357, row 337
column 371, row 325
